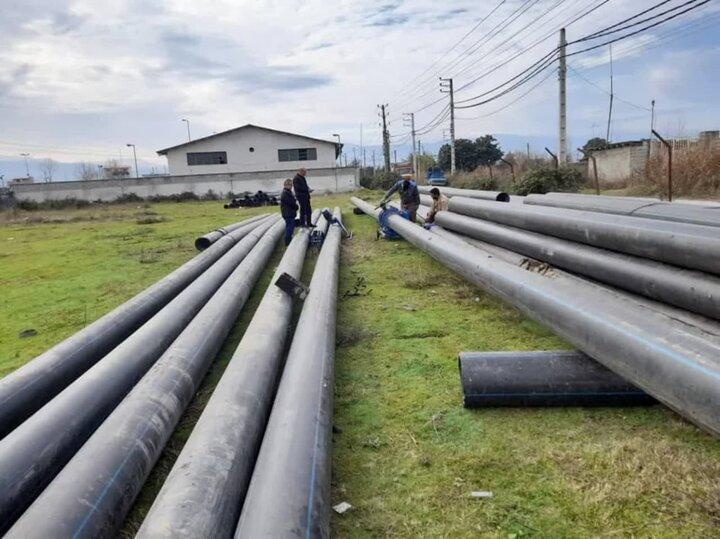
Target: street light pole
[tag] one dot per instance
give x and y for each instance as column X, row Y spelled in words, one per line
column 188, row 128
column 100, row 167
column 137, row 173
column 27, row 168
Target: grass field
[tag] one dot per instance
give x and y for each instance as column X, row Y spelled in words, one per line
column 407, row 454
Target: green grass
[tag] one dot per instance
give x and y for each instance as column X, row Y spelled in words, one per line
column 407, row 454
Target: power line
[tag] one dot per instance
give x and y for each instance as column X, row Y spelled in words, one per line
column 577, row 73
column 603, row 33
column 477, row 25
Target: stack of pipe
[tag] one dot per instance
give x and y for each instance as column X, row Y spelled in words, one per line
column 74, row 468
column 668, row 352
column 27, row 389
column 182, row 336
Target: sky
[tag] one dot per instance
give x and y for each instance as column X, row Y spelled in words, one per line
column 80, row 79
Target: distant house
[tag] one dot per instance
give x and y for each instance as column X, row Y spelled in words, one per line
column 20, row 181
column 116, row 172
column 250, row 148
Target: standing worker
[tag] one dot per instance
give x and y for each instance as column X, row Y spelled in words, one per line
column 302, row 193
column 288, row 210
column 409, row 196
column 439, row 203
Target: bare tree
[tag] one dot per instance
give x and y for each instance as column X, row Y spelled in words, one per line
column 47, row 169
column 86, row 171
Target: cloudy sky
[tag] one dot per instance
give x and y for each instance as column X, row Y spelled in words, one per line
column 81, row 78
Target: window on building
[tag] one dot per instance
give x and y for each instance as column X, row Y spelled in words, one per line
column 298, row 154
column 207, row 158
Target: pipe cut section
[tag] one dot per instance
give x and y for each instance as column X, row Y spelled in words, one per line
column 545, row 378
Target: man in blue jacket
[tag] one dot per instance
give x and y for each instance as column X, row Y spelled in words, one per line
column 288, row 209
column 409, row 196
column 302, row 193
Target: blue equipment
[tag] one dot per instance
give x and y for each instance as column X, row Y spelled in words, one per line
column 385, row 231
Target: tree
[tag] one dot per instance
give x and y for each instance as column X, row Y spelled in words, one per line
column 47, row 169
column 483, row 151
column 86, row 171
column 595, row 143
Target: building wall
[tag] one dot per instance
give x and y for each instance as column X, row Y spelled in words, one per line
column 237, row 144
column 320, row 180
column 616, row 165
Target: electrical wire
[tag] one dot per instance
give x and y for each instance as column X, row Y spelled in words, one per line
column 615, row 96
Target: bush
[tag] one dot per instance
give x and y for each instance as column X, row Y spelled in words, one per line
column 473, row 180
column 381, row 180
column 128, row 198
column 546, row 179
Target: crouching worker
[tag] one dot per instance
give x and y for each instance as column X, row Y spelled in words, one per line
column 288, row 210
column 439, row 203
column 409, row 196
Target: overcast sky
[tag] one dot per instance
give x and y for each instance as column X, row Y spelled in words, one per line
column 80, row 79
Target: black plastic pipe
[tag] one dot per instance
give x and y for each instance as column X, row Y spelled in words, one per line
column 546, row 378
column 681, row 244
column 289, row 493
column 676, row 363
column 203, row 494
column 94, row 491
column 203, row 242
column 691, row 290
column 637, row 207
column 34, row 453
column 497, row 196
column 27, row 389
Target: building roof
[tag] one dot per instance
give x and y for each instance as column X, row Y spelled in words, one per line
column 164, row 151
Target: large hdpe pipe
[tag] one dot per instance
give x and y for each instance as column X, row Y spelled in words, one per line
column 680, row 244
column 27, row 389
column 34, row 453
column 92, row 494
column 497, row 196
column 547, row 378
column 691, row 290
column 649, row 209
column 203, row 494
column 289, row 493
column 676, row 363
column 203, row 242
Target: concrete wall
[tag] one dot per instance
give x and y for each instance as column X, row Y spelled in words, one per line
column 321, row 180
column 616, row 165
column 237, row 144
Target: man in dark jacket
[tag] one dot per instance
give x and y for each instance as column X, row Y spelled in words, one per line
column 409, row 196
column 302, row 193
column 288, row 209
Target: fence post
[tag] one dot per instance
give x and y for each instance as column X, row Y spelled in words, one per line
column 555, row 158
column 512, row 167
column 669, row 149
column 588, row 154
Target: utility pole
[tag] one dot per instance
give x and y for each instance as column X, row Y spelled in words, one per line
column 373, row 156
column 410, row 116
column 528, row 150
column 650, row 138
column 395, row 156
column 562, row 76
column 386, row 137
column 607, row 133
column 137, row 173
column 362, row 147
column 446, row 87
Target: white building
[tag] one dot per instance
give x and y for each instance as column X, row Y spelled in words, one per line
column 250, row 148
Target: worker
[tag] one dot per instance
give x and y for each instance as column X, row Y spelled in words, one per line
column 439, row 203
column 288, row 209
column 409, row 196
column 302, row 193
